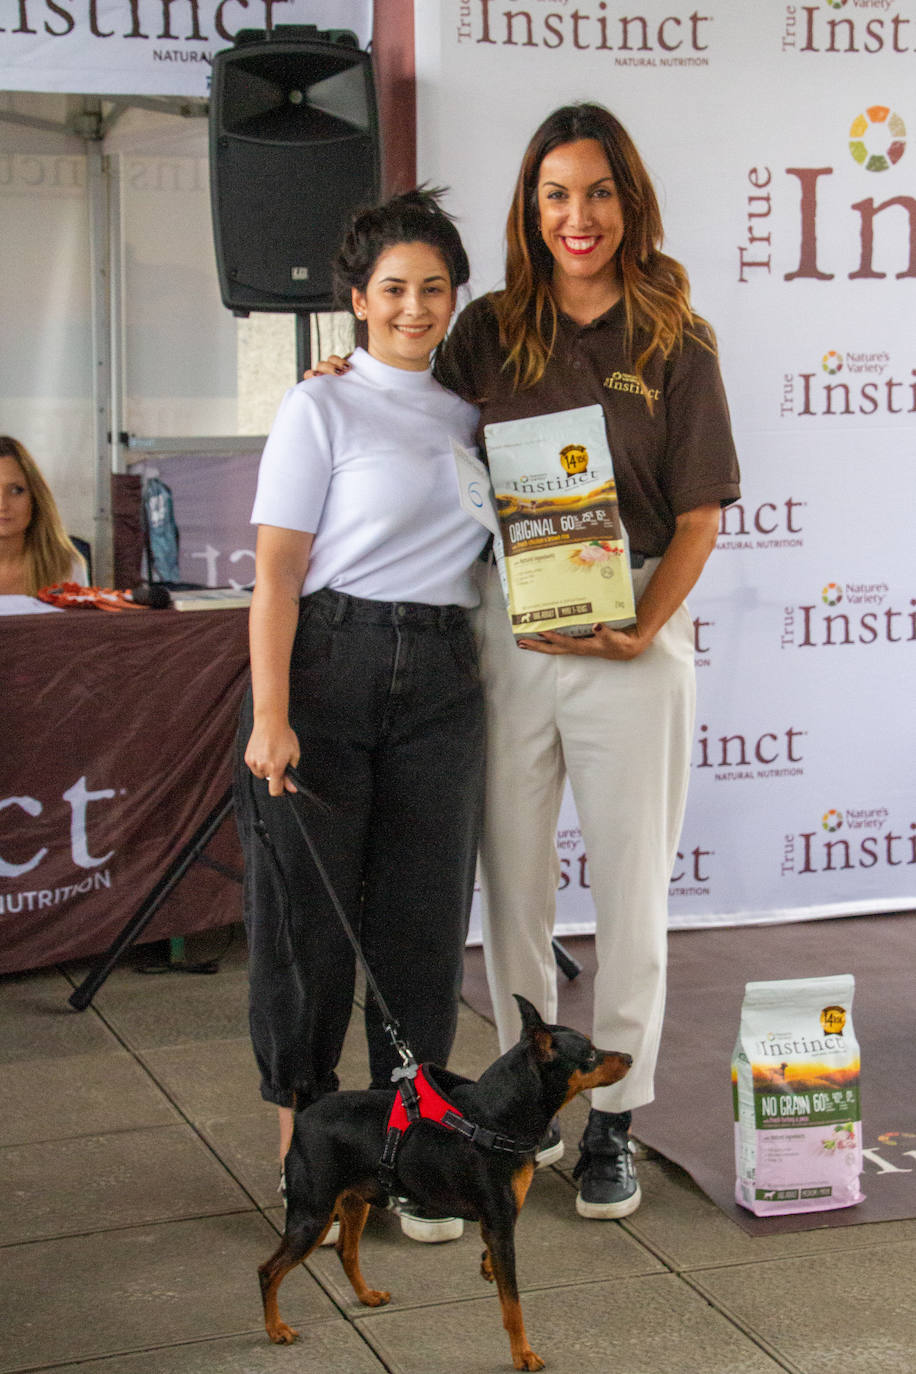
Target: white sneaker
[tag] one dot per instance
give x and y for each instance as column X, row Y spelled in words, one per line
column 550, row 1150
column 419, row 1223
column 333, row 1233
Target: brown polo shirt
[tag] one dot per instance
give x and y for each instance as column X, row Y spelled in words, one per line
column 667, row 461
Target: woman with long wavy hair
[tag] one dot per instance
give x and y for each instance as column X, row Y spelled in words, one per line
column 35, row 550
column 653, row 287
column 594, row 312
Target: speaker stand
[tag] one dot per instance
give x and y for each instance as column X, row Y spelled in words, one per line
column 303, row 344
column 192, row 852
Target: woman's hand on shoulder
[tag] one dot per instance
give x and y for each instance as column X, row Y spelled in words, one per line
column 603, row 642
column 328, row 367
column 272, row 745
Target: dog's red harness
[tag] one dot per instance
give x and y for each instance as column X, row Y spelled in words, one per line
column 418, row 1099
column 429, row 1105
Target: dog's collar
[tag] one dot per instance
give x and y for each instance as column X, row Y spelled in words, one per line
column 419, row 1099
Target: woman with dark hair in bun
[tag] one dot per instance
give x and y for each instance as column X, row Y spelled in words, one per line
column 364, row 679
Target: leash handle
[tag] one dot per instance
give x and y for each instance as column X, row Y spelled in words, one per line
column 389, row 1024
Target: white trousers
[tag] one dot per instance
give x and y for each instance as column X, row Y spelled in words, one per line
column 621, row 733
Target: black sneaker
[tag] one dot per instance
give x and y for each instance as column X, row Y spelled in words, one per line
column 550, row 1149
column 606, row 1169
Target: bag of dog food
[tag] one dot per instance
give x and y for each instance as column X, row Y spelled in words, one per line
column 795, row 1087
column 563, row 553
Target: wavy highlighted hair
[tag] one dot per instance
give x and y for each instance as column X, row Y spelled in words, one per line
column 656, row 290
column 49, row 554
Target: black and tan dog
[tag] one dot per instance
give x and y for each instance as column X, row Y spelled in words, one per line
column 476, row 1161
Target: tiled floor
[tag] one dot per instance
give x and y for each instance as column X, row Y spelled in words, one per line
column 137, row 1197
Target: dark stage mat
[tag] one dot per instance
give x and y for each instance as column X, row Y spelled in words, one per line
column 690, row 1121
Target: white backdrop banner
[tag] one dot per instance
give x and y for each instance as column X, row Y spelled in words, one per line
column 781, row 141
column 144, row 47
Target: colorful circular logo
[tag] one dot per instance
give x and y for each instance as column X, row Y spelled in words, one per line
column 832, row 362
column 836, row 4
column 832, row 594
column 831, row 820
column 877, row 138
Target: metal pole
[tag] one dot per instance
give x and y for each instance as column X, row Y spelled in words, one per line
column 99, row 275
column 112, row 166
column 303, row 344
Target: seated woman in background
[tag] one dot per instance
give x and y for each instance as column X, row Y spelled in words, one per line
column 35, row 551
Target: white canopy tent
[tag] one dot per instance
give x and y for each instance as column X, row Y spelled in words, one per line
column 117, row 340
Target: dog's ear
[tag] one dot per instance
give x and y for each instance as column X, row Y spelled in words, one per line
column 529, row 1012
column 533, row 1028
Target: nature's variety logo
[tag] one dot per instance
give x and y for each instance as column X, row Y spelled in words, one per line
column 836, row 4
column 877, row 138
column 832, row 362
column 832, row 594
column 869, row 839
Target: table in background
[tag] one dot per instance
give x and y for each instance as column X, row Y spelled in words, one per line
column 116, row 745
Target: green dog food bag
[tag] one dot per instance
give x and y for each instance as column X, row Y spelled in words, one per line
column 795, row 1088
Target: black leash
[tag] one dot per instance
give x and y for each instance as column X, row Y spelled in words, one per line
column 408, row 1067
column 404, row 1077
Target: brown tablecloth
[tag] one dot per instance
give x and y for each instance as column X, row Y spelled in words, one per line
column 115, row 747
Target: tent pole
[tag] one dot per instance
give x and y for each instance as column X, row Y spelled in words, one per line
column 112, row 164
column 96, row 174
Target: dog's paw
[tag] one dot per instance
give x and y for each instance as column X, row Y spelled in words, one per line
column 375, row 1297
column 528, row 1360
column 486, row 1267
column 281, row 1334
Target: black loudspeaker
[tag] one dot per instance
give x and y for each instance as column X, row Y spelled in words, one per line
column 294, row 150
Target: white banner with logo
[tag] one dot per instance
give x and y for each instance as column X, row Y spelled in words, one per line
column 144, row 47
column 781, row 141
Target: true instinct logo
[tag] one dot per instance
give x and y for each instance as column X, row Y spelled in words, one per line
column 47, row 898
column 829, row 389
column 78, row 798
column 820, row 625
column 150, row 20
column 808, row 28
column 537, row 483
column 677, row 40
column 182, row 55
column 781, row 1043
column 742, row 757
column 626, row 381
column 886, row 229
column 20, row 856
column 769, row 525
column 702, row 642
column 692, row 872
column 824, row 849
column 573, row 860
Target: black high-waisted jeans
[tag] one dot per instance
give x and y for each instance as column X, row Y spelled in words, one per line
column 386, row 702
